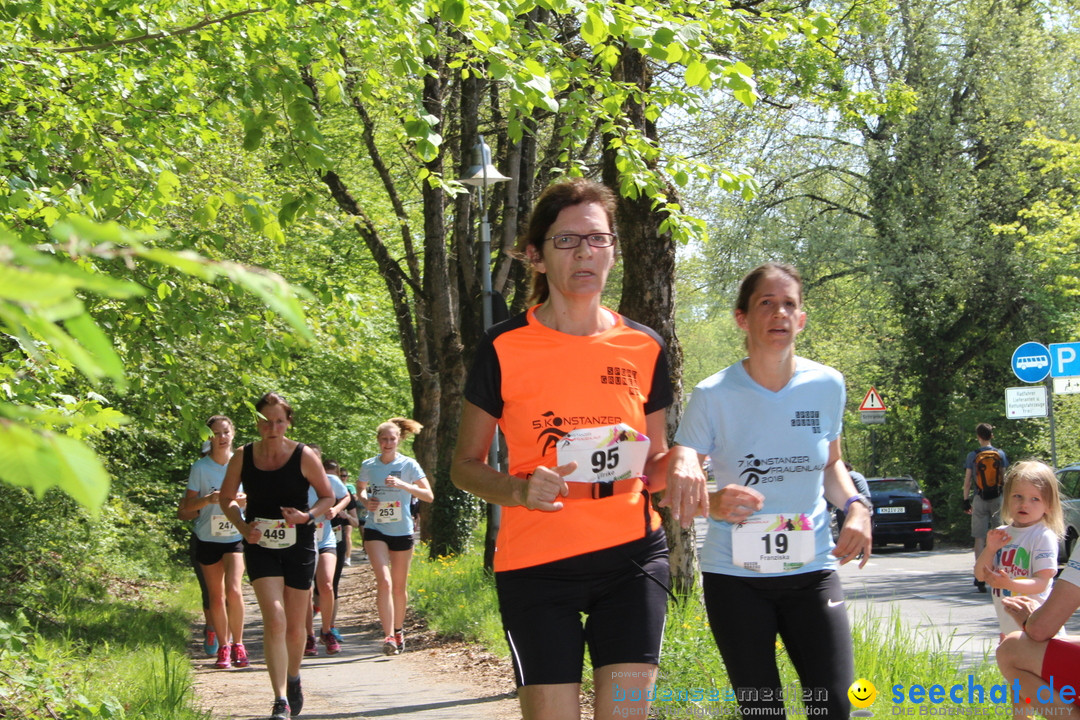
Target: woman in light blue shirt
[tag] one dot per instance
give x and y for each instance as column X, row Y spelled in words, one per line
column 388, row 483
column 770, row 425
column 218, row 549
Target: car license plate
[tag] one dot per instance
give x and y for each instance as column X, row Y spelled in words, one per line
column 890, row 510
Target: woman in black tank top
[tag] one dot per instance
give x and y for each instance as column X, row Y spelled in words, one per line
column 279, row 540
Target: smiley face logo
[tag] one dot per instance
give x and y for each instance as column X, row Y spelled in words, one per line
column 862, row 693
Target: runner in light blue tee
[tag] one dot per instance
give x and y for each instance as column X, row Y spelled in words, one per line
column 323, row 587
column 325, row 538
column 387, row 484
column 770, row 427
column 393, row 516
column 218, row 547
column 776, row 443
column 205, row 479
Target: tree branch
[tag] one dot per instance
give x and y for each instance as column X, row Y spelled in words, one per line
column 824, row 201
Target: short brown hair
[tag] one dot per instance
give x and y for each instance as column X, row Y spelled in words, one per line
column 555, row 198
column 272, row 398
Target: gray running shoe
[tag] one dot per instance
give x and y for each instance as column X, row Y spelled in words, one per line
column 295, row 696
column 281, row 710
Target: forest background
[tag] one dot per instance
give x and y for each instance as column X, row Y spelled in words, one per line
column 205, row 201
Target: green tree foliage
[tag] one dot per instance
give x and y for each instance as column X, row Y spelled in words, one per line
column 916, row 212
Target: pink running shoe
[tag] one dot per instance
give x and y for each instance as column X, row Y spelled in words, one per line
column 223, row 661
column 333, row 647
column 310, row 650
column 239, row 655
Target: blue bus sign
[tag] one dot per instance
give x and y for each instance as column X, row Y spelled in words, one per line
column 1031, row 362
column 1066, row 359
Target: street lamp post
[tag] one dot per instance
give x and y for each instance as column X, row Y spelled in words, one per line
column 481, row 174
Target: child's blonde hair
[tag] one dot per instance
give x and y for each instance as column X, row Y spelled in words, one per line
column 1042, row 477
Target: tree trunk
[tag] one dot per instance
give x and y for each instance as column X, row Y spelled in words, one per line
column 648, row 295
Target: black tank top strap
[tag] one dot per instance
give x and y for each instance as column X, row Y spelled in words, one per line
column 249, row 457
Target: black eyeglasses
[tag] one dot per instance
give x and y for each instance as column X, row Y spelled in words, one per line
column 569, row 241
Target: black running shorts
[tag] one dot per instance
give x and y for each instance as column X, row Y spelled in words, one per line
column 210, row 553
column 623, row 590
column 396, row 543
column 296, row 564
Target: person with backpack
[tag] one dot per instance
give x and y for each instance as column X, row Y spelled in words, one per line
column 985, row 470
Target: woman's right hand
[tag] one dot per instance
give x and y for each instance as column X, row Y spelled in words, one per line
column 250, row 531
column 544, row 485
column 372, row 505
column 1020, row 607
column 687, row 490
column 734, row 503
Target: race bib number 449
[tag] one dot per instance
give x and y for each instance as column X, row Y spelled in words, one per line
column 275, row 534
column 773, row 543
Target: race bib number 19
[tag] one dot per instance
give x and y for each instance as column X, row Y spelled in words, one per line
column 773, row 543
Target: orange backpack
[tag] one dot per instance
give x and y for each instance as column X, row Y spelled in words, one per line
column 987, row 469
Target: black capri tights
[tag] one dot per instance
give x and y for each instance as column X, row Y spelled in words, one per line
column 807, row 611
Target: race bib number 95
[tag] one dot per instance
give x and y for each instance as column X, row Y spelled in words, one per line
column 604, row 454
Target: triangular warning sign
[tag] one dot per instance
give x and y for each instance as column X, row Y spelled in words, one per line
column 872, row 401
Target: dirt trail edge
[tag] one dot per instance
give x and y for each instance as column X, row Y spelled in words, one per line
column 434, row 679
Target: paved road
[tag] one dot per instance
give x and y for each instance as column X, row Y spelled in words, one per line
column 932, row 591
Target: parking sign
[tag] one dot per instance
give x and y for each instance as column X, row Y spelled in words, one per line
column 1066, row 359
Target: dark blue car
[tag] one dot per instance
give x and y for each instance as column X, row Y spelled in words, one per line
column 902, row 514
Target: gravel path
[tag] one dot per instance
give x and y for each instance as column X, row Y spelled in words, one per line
column 435, row 679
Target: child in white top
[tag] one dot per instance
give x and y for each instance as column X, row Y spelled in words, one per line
column 1020, row 557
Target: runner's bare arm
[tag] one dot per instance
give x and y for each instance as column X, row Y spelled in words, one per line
column 855, row 536
column 656, row 466
column 470, row 471
column 228, row 497
column 687, row 487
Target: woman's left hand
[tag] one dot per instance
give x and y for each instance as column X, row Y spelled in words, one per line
column 856, row 536
column 295, row 517
column 734, row 503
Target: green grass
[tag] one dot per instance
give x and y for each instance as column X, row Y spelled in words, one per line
column 457, row 598
column 100, row 652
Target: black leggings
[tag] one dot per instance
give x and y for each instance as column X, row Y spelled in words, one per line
column 807, row 611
